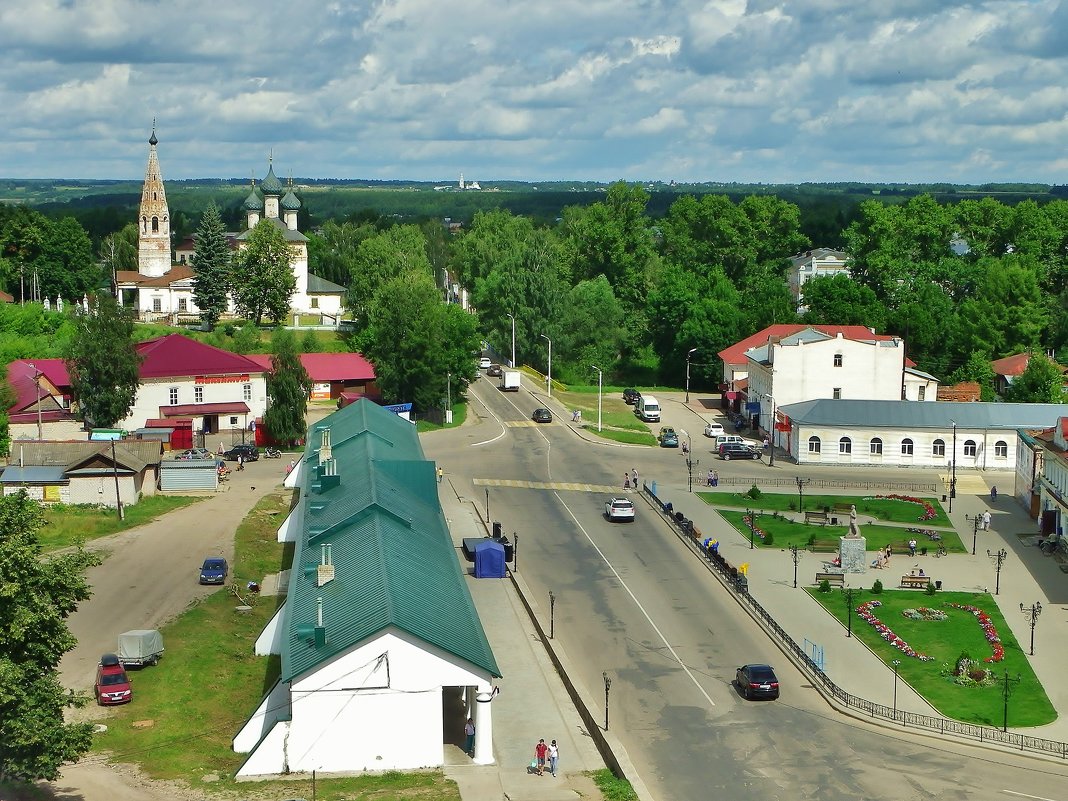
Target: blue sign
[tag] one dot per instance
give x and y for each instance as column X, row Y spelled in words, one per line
column 398, row 408
column 753, row 407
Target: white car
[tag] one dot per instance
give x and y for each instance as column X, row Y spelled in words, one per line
column 484, row 362
column 714, row 430
column 619, row 509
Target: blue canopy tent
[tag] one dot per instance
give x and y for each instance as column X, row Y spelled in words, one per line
column 489, row 559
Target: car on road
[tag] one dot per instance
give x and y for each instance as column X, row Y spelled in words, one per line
column 619, row 509
column 214, row 570
column 484, row 363
column 757, row 681
column 250, row 453
column 112, row 685
column 494, row 370
column 542, row 416
column 714, row 430
column 738, row 450
column 631, row 396
column 668, row 437
column 195, row 453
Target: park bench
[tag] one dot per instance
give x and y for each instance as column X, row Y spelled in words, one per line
column 915, row 582
column 843, row 508
column 834, row 579
column 816, row 517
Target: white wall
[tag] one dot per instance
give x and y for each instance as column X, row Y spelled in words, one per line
column 985, row 457
column 154, row 393
column 101, row 490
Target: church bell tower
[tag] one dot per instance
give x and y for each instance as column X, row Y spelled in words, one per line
column 154, row 220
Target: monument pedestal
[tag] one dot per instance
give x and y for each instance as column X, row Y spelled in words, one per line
column 852, row 554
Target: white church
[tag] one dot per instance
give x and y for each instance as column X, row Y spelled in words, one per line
column 162, row 289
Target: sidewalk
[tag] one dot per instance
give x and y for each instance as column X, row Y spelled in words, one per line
column 1027, row 576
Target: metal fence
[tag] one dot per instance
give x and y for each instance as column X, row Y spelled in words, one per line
column 830, row 483
column 691, row 535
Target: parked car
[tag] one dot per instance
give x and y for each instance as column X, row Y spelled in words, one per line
column 214, row 570
column 494, row 370
column 631, row 396
column 714, row 430
column 619, row 509
column 668, row 438
column 757, row 681
column 112, row 685
column 542, row 416
column 484, row 363
column 250, row 452
column 195, row 453
column 738, row 450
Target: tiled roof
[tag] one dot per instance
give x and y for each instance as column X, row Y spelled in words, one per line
column 179, row 272
column 174, row 355
column 395, row 567
column 325, row 367
column 735, row 354
column 1011, row 365
column 914, row 414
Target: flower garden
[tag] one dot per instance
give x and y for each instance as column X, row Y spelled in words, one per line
column 952, row 650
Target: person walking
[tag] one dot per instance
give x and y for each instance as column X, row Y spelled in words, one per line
column 715, row 479
column 540, row 751
column 986, row 520
column 912, row 547
column 993, row 493
column 240, row 462
column 626, row 480
column 554, row 757
column 634, row 477
column 469, row 734
column 441, row 474
column 711, row 476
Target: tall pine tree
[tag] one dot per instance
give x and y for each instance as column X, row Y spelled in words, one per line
column 211, row 267
column 288, row 386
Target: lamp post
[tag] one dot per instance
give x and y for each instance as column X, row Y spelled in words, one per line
column 448, row 399
column 975, row 520
column 1034, row 610
column 690, row 463
column 849, row 594
column 896, row 663
column 552, row 614
column 1006, row 691
column 999, row 559
column 37, row 380
column 600, row 376
column 795, row 554
column 607, row 687
column 771, row 432
column 549, row 375
column 953, row 469
column 689, row 354
column 515, row 551
column 749, row 519
column 800, row 492
column 512, row 316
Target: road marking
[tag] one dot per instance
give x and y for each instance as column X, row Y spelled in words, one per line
column 500, row 422
column 523, row 423
column 567, row 486
column 1025, row 795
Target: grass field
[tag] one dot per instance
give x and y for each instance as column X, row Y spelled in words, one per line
column 67, row 525
column 889, row 510
column 209, row 682
column 945, row 641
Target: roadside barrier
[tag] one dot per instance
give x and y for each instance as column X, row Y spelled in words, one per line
column 827, row 483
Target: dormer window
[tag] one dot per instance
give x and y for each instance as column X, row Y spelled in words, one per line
column 838, row 360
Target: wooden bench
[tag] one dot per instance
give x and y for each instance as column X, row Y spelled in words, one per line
column 834, row 579
column 843, row 509
column 915, row 582
column 816, row 517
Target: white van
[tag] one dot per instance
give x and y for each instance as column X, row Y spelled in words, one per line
column 648, row 409
column 722, row 438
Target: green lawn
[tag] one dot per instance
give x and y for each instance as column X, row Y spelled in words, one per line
column 785, row 533
column 209, row 682
column 67, row 524
column 891, row 511
column 459, row 414
column 945, row 641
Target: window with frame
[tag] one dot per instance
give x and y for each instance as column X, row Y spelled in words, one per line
column 173, row 394
column 907, row 447
column 183, row 305
column 246, row 392
column 922, row 394
column 837, row 393
column 876, row 446
column 814, row 444
column 845, row 445
column 315, row 303
column 838, row 360
column 969, row 447
column 1001, row 449
column 198, row 394
column 938, row 447
column 157, row 304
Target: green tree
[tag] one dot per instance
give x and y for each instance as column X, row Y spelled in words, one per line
column 379, row 259
column 263, row 281
column 289, row 387
column 1007, row 313
column 246, row 339
column 839, row 300
column 118, row 253
column 590, row 330
column 927, row 321
column 978, row 369
column 66, row 266
column 709, row 233
column 39, row 595
column 103, row 363
column 332, row 249
column 211, row 267
column 766, row 297
column 7, row 400
column 1041, row 382
column 775, row 228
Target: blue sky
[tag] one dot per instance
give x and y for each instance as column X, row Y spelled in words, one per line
column 723, row 90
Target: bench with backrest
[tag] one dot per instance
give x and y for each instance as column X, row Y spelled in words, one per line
column 816, row 517
column 915, row 582
column 834, row 579
column 843, row 509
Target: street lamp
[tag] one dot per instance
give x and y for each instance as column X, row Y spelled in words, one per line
column 999, row 559
column 690, row 463
column 953, row 469
column 448, row 399
column 849, row 593
column 800, row 492
column 1034, row 610
column 600, row 376
column 771, row 431
column 549, row 376
column 552, row 614
column 607, row 687
column 795, row 554
column 1006, row 691
column 689, row 353
column 37, row 380
column 896, row 663
column 513, row 339
column 750, row 516
column 976, row 521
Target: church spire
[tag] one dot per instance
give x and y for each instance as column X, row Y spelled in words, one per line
column 154, row 220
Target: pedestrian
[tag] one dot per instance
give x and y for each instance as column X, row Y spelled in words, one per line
column 888, row 553
column 986, row 520
column 912, row 547
column 711, row 477
column 626, row 480
column 575, row 416
column 634, row 477
column 767, row 442
column 290, row 466
column 469, row 742
column 554, row 757
column 222, row 447
column 540, row 750
column 715, row 479
column 441, row 473
column 993, row 493
column 240, row 462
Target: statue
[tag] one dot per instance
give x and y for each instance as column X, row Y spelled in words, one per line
column 47, row 304
column 854, row 528
column 59, row 303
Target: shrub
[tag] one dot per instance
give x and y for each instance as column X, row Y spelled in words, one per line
column 825, row 586
column 769, row 538
column 754, row 492
column 811, row 540
column 931, row 590
column 877, row 587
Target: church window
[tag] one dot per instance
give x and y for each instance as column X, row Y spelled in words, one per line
column 155, row 225
column 144, row 225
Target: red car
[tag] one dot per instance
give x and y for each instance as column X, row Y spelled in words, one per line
column 112, row 685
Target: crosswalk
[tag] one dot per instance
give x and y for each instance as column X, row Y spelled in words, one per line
column 523, row 423
column 565, row 486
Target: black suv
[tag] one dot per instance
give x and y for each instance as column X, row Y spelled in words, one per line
column 631, row 396
column 249, row 452
column 738, row 450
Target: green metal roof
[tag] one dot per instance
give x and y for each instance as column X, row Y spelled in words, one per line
column 290, row 201
column 321, row 286
column 395, row 566
column 289, row 234
column 270, row 185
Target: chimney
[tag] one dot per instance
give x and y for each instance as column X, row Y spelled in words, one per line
column 320, row 629
column 325, row 452
column 325, row 571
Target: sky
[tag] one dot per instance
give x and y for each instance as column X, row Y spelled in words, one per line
column 639, row 90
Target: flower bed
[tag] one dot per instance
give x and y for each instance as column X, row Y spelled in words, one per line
column 929, row 512
column 924, row 613
column 989, row 631
column 864, row 610
column 749, row 520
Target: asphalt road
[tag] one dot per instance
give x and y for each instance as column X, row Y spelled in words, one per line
column 632, row 602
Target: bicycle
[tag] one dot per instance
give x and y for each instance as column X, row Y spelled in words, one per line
column 941, row 550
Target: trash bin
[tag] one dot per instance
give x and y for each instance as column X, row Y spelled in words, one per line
column 497, row 532
column 938, row 585
column 923, row 552
column 742, row 583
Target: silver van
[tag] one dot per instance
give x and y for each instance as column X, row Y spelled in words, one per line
column 648, row 409
column 723, row 438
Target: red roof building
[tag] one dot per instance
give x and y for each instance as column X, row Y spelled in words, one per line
column 333, row 374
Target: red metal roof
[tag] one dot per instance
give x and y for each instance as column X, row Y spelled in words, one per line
column 183, row 409
column 327, row 367
column 20, row 376
column 1011, row 365
column 735, row 354
column 174, row 355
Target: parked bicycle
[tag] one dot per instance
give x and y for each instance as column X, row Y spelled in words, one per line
column 941, row 550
